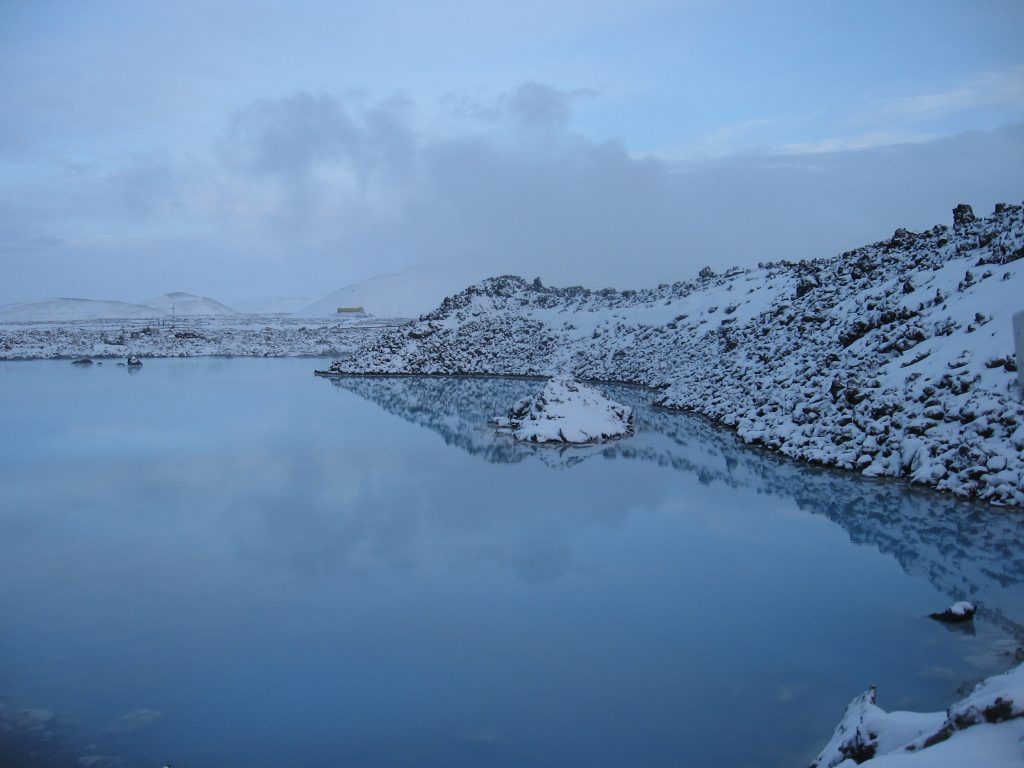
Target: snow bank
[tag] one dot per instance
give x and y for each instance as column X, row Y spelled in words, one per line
column 986, row 728
column 895, row 359
column 565, row 411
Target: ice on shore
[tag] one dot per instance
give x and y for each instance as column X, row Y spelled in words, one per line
column 565, row 411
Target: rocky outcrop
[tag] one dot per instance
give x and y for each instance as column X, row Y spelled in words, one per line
column 565, row 411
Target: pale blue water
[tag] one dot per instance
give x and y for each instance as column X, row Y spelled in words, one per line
column 232, row 563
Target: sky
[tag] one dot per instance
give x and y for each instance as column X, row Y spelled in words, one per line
column 272, row 148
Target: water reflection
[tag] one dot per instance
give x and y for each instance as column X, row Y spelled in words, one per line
column 965, row 550
column 331, row 570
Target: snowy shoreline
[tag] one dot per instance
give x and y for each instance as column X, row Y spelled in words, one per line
column 894, row 360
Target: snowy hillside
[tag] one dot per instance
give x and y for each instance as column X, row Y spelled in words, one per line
column 75, row 309
column 187, row 304
column 275, row 305
column 408, row 293
column 894, row 359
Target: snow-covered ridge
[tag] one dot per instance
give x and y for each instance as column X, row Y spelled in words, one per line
column 894, row 359
column 565, row 411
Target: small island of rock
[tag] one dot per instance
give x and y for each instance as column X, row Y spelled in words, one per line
column 565, row 411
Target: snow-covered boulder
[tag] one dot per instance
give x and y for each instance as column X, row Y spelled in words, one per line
column 956, row 613
column 565, row 411
column 984, row 728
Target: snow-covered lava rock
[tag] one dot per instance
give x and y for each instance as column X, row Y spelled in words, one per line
column 957, row 613
column 984, row 728
column 565, row 411
column 894, row 359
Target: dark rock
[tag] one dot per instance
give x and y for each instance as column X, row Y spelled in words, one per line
column 955, row 614
column 963, row 214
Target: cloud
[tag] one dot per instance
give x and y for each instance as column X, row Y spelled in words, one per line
column 308, row 192
column 868, row 140
column 1001, row 88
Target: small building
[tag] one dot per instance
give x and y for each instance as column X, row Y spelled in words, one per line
column 351, row 310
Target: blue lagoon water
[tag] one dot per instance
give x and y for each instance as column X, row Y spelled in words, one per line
column 216, row 562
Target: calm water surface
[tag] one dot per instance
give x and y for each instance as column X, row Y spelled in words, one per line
column 231, row 563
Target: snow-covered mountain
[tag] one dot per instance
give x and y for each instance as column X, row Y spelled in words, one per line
column 187, row 304
column 408, row 293
column 273, row 305
column 894, row 359
column 75, row 309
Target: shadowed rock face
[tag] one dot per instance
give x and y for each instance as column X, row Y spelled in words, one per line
column 963, row 549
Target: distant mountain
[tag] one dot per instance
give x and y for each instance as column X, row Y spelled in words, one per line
column 274, row 305
column 76, row 309
column 408, row 293
column 185, row 304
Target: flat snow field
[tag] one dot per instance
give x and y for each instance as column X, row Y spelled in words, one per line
column 229, row 335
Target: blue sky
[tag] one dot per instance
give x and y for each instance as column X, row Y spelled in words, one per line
column 260, row 148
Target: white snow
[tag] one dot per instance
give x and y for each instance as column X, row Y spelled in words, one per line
column 961, row 607
column 565, row 411
column 985, row 728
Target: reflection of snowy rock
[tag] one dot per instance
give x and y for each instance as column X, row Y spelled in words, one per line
column 960, row 548
column 82, row 361
column 566, row 411
column 987, row 723
column 960, row 611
